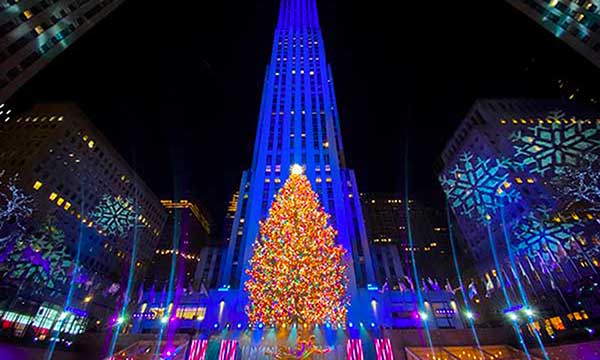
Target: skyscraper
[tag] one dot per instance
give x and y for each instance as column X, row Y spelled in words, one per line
column 574, row 22
column 299, row 124
column 385, row 219
column 32, row 33
column 195, row 228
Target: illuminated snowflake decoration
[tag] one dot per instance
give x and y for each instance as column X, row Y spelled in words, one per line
column 544, row 147
column 536, row 232
column 41, row 259
column 475, row 187
column 114, row 215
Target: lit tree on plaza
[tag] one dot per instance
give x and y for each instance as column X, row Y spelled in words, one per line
column 579, row 185
column 15, row 205
column 297, row 272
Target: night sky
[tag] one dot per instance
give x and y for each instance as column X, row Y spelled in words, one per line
column 178, row 87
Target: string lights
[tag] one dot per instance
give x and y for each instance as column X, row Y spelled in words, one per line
column 297, row 272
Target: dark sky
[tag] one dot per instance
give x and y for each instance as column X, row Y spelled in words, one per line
column 179, row 87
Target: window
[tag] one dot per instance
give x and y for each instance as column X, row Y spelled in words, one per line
column 37, row 185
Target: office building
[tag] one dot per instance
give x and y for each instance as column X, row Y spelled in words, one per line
column 194, row 228
column 521, row 180
column 95, row 200
column 387, row 231
column 32, row 33
column 574, row 22
column 299, row 124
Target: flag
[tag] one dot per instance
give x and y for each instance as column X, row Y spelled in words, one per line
column 163, row 294
column 542, row 264
column 514, row 273
column 431, row 283
column 384, row 287
column 503, row 273
column 561, row 252
column 489, row 286
column 140, row 293
column 203, row 290
column 113, row 288
column 532, row 268
column 425, row 288
column 436, row 285
column 472, row 290
column 88, row 284
column 523, row 273
column 153, row 293
column 498, row 283
column 410, row 283
column 448, row 287
column 552, row 284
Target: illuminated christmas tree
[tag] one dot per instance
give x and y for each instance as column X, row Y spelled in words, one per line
column 297, row 272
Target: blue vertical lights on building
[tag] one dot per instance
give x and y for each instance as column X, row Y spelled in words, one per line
column 298, row 124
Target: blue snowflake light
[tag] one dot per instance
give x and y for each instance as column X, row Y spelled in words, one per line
column 41, row 258
column 114, row 215
column 535, row 232
column 555, row 143
column 474, row 187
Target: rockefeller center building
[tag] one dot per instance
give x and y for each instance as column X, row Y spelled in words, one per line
column 32, row 33
column 299, row 124
column 195, row 229
column 574, row 22
column 521, row 179
column 81, row 199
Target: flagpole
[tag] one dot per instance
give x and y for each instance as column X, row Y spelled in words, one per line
column 570, row 260
column 587, row 259
column 553, row 282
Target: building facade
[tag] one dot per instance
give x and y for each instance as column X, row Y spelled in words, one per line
column 194, row 232
column 575, row 22
column 101, row 211
column 299, row 124
column 32, row 33
column 385, row 220
column 521, row 180
column 230, row 216
column 209, row 266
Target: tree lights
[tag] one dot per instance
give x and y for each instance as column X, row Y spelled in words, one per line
column 297, row 272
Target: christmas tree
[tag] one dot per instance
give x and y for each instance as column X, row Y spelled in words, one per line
column 297, row 272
